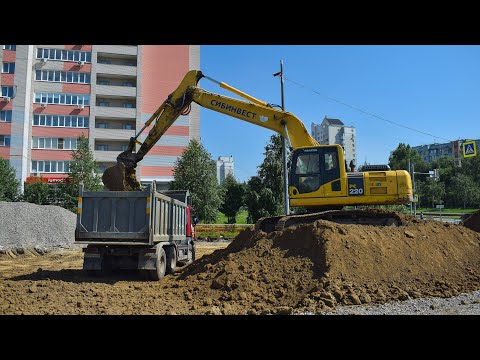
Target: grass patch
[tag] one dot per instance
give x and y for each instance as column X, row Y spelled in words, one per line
column 446, row 210
column 217, row 234
column 241, row 218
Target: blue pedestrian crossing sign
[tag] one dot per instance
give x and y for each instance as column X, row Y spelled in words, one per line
column 469, row 149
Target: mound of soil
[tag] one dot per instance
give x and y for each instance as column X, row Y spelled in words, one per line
column 473, row 221
column 317, row 266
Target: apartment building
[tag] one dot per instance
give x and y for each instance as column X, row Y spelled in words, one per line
column 51, row 94
column 224, row 167
column 431, row 152
column 334, row 131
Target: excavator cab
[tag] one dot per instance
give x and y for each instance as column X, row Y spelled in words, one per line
column 313, row 168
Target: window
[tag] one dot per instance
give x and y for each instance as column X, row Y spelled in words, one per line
column 9, row 47
column 8, row 68
column 63, row 55
column 62, row 99
column 102, row 147
column 50, row 166
column 62, row 76
column 54, row 143
column 102, row 126
column 127, row 126
column 124, row 147
column 6, row 115
column 128, row 105
column 306, row 176
column 4, row 140
column 103, row 82
column 128, row 84
column 103, row 103
column 7, row 91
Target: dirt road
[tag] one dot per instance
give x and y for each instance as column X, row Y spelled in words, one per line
column 55, row 284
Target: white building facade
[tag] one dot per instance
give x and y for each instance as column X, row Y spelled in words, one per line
column 334, row 131
column 224, row 167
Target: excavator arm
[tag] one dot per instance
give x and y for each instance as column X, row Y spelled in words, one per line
column 254, row 111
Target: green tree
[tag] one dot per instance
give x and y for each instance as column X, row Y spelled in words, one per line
column 197, row 172
column 431, row 191
column 37, row 192
column 271, row 169
column 83, row 169
column 464, row 190
column 264, row 194
column 471, row 167
column 233, row 198
column 260, row 200
column 398, row 160
column 9, row 185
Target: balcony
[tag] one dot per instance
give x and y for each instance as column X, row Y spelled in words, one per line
column 112, row 90
column 111, row 69
column 116, row 112
column 117, row 49
column 106, row 156
column 112, row 134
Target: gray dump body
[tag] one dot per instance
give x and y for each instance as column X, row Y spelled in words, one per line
column 130, row 217
column 144, row 230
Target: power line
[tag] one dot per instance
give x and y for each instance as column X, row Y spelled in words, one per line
column 365, row 112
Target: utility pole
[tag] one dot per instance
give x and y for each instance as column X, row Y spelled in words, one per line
column 284, row 147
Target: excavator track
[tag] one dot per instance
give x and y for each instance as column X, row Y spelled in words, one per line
column 357, row 217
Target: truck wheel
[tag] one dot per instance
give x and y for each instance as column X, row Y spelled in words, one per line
column 171, row 260
column 160, row 265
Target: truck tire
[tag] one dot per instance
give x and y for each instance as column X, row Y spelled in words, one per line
column 160, row 265
column 171, row 259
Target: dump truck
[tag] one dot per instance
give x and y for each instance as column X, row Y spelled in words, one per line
column 150, row 230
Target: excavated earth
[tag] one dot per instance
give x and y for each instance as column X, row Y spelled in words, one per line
column 473, row 221
column 304, row 269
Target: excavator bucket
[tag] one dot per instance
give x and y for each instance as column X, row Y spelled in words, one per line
column 121, row 178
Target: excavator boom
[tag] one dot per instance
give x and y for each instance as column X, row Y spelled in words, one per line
column 121, row 177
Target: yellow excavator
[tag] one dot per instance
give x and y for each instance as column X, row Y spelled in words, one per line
column 318, row 178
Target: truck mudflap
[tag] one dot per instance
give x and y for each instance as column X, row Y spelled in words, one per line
column 92, row 261
column 146, row 260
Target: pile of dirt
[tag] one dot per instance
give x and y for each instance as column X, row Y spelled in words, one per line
column 317, row 266
column 473, row 221
column 43, row 227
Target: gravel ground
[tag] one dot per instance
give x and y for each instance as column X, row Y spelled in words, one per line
column 464, row 304
column 43, row 227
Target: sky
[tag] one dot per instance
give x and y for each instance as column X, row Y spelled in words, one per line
column 432, row 89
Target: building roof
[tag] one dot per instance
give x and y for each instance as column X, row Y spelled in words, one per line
column 333, row 121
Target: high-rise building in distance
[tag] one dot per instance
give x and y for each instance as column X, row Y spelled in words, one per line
column 224, row 167
column 334, row 131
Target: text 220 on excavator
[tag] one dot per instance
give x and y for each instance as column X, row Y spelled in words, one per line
column 318, row 177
